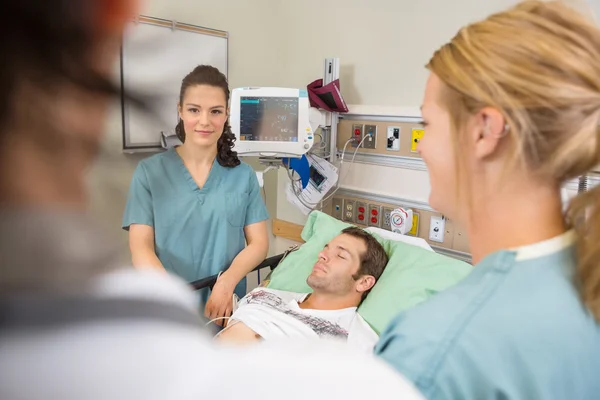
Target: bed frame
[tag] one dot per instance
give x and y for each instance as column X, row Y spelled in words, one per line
column 284, row 229
column 271, row 262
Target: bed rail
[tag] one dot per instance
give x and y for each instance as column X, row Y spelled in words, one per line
column 210, row 281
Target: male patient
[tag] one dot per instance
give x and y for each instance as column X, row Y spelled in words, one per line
column 345, row 272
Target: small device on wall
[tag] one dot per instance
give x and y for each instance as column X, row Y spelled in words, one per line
column 401, row 220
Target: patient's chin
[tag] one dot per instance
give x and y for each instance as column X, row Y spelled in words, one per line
column 315, row 282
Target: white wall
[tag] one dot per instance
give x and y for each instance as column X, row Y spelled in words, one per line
column 383, row 46
column 253, row 60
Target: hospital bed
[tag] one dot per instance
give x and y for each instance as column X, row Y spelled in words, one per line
column 414, row 272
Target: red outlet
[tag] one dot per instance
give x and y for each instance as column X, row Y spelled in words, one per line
column 374, row 220
column 374, row 212
column 361, row 217
column 361, row 210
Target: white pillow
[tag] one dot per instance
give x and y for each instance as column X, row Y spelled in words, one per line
column 415, row 241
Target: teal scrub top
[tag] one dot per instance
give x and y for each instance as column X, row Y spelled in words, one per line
column 197, row 232
column 510, row 330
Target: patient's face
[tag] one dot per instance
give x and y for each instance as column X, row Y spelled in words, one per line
column 337, row 263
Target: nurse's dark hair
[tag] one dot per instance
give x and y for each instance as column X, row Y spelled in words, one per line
column 548, row 89
column 211, row 76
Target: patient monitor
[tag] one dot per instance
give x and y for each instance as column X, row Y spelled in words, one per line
column 271, row 122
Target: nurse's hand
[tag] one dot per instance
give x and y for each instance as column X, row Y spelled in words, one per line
column 220, row 301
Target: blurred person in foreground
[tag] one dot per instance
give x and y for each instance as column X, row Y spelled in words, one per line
column 73, row 323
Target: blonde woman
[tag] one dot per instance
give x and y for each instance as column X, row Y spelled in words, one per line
column 517, row 99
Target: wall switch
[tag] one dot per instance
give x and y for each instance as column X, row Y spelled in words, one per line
column 357, row 134
column 349, row 210
column 437, row 227
column 393, row 138
column 337, row 208
column 374, row 215
column 370, row 136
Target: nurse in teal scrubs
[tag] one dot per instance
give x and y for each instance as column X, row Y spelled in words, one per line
column 512, row 112
column 196, row 210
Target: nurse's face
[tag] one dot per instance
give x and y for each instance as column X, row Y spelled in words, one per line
column 204, row 113
column 437, row 151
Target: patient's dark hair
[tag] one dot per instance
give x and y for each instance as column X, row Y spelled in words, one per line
column 373, row 260
column 211, row 76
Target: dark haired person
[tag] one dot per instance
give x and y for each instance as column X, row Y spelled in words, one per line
column 74, row 322
column 192, row 209
column 347, row 269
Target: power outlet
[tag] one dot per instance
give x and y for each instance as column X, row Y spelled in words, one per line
column 361, row 213
column 371, row 136
column 374, row 215
column 437, row 227
column 348, row 213
column 358, row 133
column 385, row 222
column 337, row 207
column 393, row 138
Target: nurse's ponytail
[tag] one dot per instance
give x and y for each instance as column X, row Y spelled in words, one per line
column 548, row 89
column 211, row 76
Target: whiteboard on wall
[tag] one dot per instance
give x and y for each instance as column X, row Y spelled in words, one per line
column 156, row 55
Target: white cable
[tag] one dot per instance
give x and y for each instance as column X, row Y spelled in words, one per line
column 213, row 320
column 347, row 172
column 227, row 327
column 310, row 205
column 337, row 186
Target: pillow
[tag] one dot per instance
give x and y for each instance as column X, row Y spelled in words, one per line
column 412, row 275
column 396, row 237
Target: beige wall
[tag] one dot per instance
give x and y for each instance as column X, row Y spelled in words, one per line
column 382, row 45
column 253, row 60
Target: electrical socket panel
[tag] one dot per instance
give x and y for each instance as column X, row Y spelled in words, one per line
column 337, row 208
column 393, row 138
column 349, row 209
column 386, row 218
column 358, row 132
column 374, row 217
column 370, row 133
column 361, row 213
column 437, row 227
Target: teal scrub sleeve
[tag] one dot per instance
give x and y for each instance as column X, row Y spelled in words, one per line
column 139, row 201
column 257, row 210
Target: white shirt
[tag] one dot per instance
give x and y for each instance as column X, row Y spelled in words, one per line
column 154, row 359
column 276, row 314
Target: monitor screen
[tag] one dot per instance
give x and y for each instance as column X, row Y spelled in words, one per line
column 271, row 119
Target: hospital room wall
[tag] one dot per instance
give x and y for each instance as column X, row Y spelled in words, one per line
column 253, row 60
column 383, row 46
